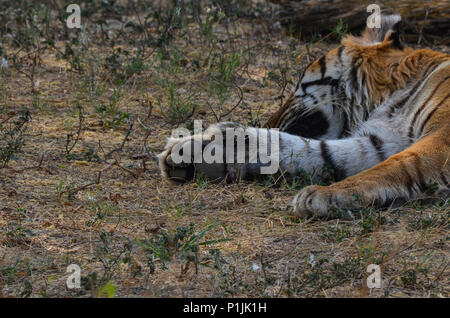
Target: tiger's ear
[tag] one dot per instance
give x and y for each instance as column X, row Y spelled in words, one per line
column 389, row 30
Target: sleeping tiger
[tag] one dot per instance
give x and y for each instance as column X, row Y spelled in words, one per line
column 372, row 114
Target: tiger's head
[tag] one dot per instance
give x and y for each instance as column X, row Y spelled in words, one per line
column 342, row 87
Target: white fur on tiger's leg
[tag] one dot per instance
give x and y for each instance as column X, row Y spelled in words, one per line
column 296, row 155
column 345, row 157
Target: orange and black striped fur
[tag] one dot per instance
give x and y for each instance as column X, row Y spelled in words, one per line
column 375, row 113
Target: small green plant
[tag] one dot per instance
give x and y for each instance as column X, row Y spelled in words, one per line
column 409, row 277
column 74, row 53
column 37, row 101
column 91, row 87
column 111, row 115
column 303, row 179
column 168, row 21
column 175, row 108
column 324, row 274
column 222, row 71
column 4, row 98
column 281, row 79
column 338, row 233
column 206, row 28
column 98, row 286
column 185, row 242
column 71, row 140
column 254, row 119
column 107, row 290
column 12, row 135
column 102, row 210
column 340, row 30
column 18, row 271
column 426, row 221
column 111, row 252
column 122, row 66
column 371, row 220
column 17, row 234
column 172, row 61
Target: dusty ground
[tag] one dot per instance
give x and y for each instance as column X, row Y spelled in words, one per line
column 134, row 235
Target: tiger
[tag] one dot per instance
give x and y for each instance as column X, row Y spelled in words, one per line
column 372, row 114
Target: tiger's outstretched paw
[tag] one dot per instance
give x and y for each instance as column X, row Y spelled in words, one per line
column 335, row 201
column 177, row 167
column 312, row 201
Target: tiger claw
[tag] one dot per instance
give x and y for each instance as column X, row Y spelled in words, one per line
column 311, row 201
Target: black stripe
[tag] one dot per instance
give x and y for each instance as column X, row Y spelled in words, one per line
column 315, row 100
column 338, row 173
column 309, row 195
column 444, row 180
column 324, row 81
column 425, row 74
column 401, row 103
column 363, row 83
column 345, row 126
column 365, row 112
column 323, row 66
column 354, row 77
column 352, row 109
column 431, row 114
column 413, row 90
column 378, row 145
column 297, row 85
column 334, row 106
column 291, row 111
column 416, row 115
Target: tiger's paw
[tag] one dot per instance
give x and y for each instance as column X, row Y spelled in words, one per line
column 177, row 167
column 327, row 201
column 183, row 159
column 312, row 201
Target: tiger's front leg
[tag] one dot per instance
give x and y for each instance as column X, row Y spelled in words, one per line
column 255, row 152
column 403, row 176
column 224, row 151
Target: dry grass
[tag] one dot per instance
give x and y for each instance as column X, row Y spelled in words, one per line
column 105, row 211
